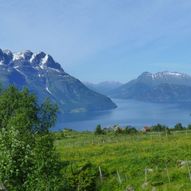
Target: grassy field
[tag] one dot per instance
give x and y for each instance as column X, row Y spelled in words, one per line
column 153, row 161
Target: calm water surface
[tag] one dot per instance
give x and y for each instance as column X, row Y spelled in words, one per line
column 129, row 112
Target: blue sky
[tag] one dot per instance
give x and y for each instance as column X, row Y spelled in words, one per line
column 99, row 40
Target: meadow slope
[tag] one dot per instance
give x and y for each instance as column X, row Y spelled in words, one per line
column 152, row 161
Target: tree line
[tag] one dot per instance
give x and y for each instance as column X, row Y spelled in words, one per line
column 116, row 129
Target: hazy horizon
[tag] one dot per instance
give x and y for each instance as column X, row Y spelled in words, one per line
column 99, row 41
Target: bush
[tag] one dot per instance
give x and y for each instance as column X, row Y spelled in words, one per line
column 28, row 160
column 99, row 130
column 81, row 177
column 178, row 127
column 159, row 128
column 130, row 130
column 189, row 127
column 118, row 130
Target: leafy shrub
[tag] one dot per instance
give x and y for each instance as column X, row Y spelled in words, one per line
column 28, row 160
column 179, row 127
column 82, row 178
column 159, row 128
column 99, row 130
column 130, row 130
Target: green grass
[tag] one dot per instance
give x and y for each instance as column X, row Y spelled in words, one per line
column 124, row 158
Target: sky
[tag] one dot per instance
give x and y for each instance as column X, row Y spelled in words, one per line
column 102, row 40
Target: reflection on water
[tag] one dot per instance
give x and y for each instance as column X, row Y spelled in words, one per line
column 84, row 116
column 129, row 112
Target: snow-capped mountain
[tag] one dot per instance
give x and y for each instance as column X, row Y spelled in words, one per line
column 42, row 75
column 159, row 87
column 165, row 77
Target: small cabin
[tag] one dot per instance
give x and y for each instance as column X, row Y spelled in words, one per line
column 146, row 129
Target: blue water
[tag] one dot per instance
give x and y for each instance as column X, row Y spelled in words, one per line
column 129, row 112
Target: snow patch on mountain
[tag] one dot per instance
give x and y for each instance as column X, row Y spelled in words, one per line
column 174, row 73
column 18, row 56
column 165, row 77
column 47, row 89
column 170, row 74
column 32, row 58
column 45, row 59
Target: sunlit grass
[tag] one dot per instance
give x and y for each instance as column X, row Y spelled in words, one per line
column 126, row 157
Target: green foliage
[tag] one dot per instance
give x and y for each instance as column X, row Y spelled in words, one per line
column 126, row 156
column 127, row 130
column 159, row 128
column 81, row 177
column 130, row 130
column 28, row 160
column 46, row 115
column 99, row 130
column 178, row 127
column 116, row 129
column 46, row 168
column 189, row 127
column 15, row 104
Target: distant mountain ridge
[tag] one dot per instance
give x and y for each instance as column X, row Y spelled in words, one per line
column 103, row 87
column 165, row 77
column 159, row 87
column 42, row 75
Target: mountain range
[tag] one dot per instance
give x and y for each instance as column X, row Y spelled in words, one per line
column 159, row 87
column 103, row 87
column 46, row 78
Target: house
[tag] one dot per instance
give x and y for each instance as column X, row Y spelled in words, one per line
column 146, row 129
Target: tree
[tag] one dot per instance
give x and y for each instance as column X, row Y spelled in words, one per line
column 178, row 127
column 159, row 128
column 189, row 126
column 28, row 160
column 99, row 130
column 130, row 130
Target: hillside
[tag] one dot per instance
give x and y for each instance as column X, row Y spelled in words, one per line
column 159, row 87
column 141, row 162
